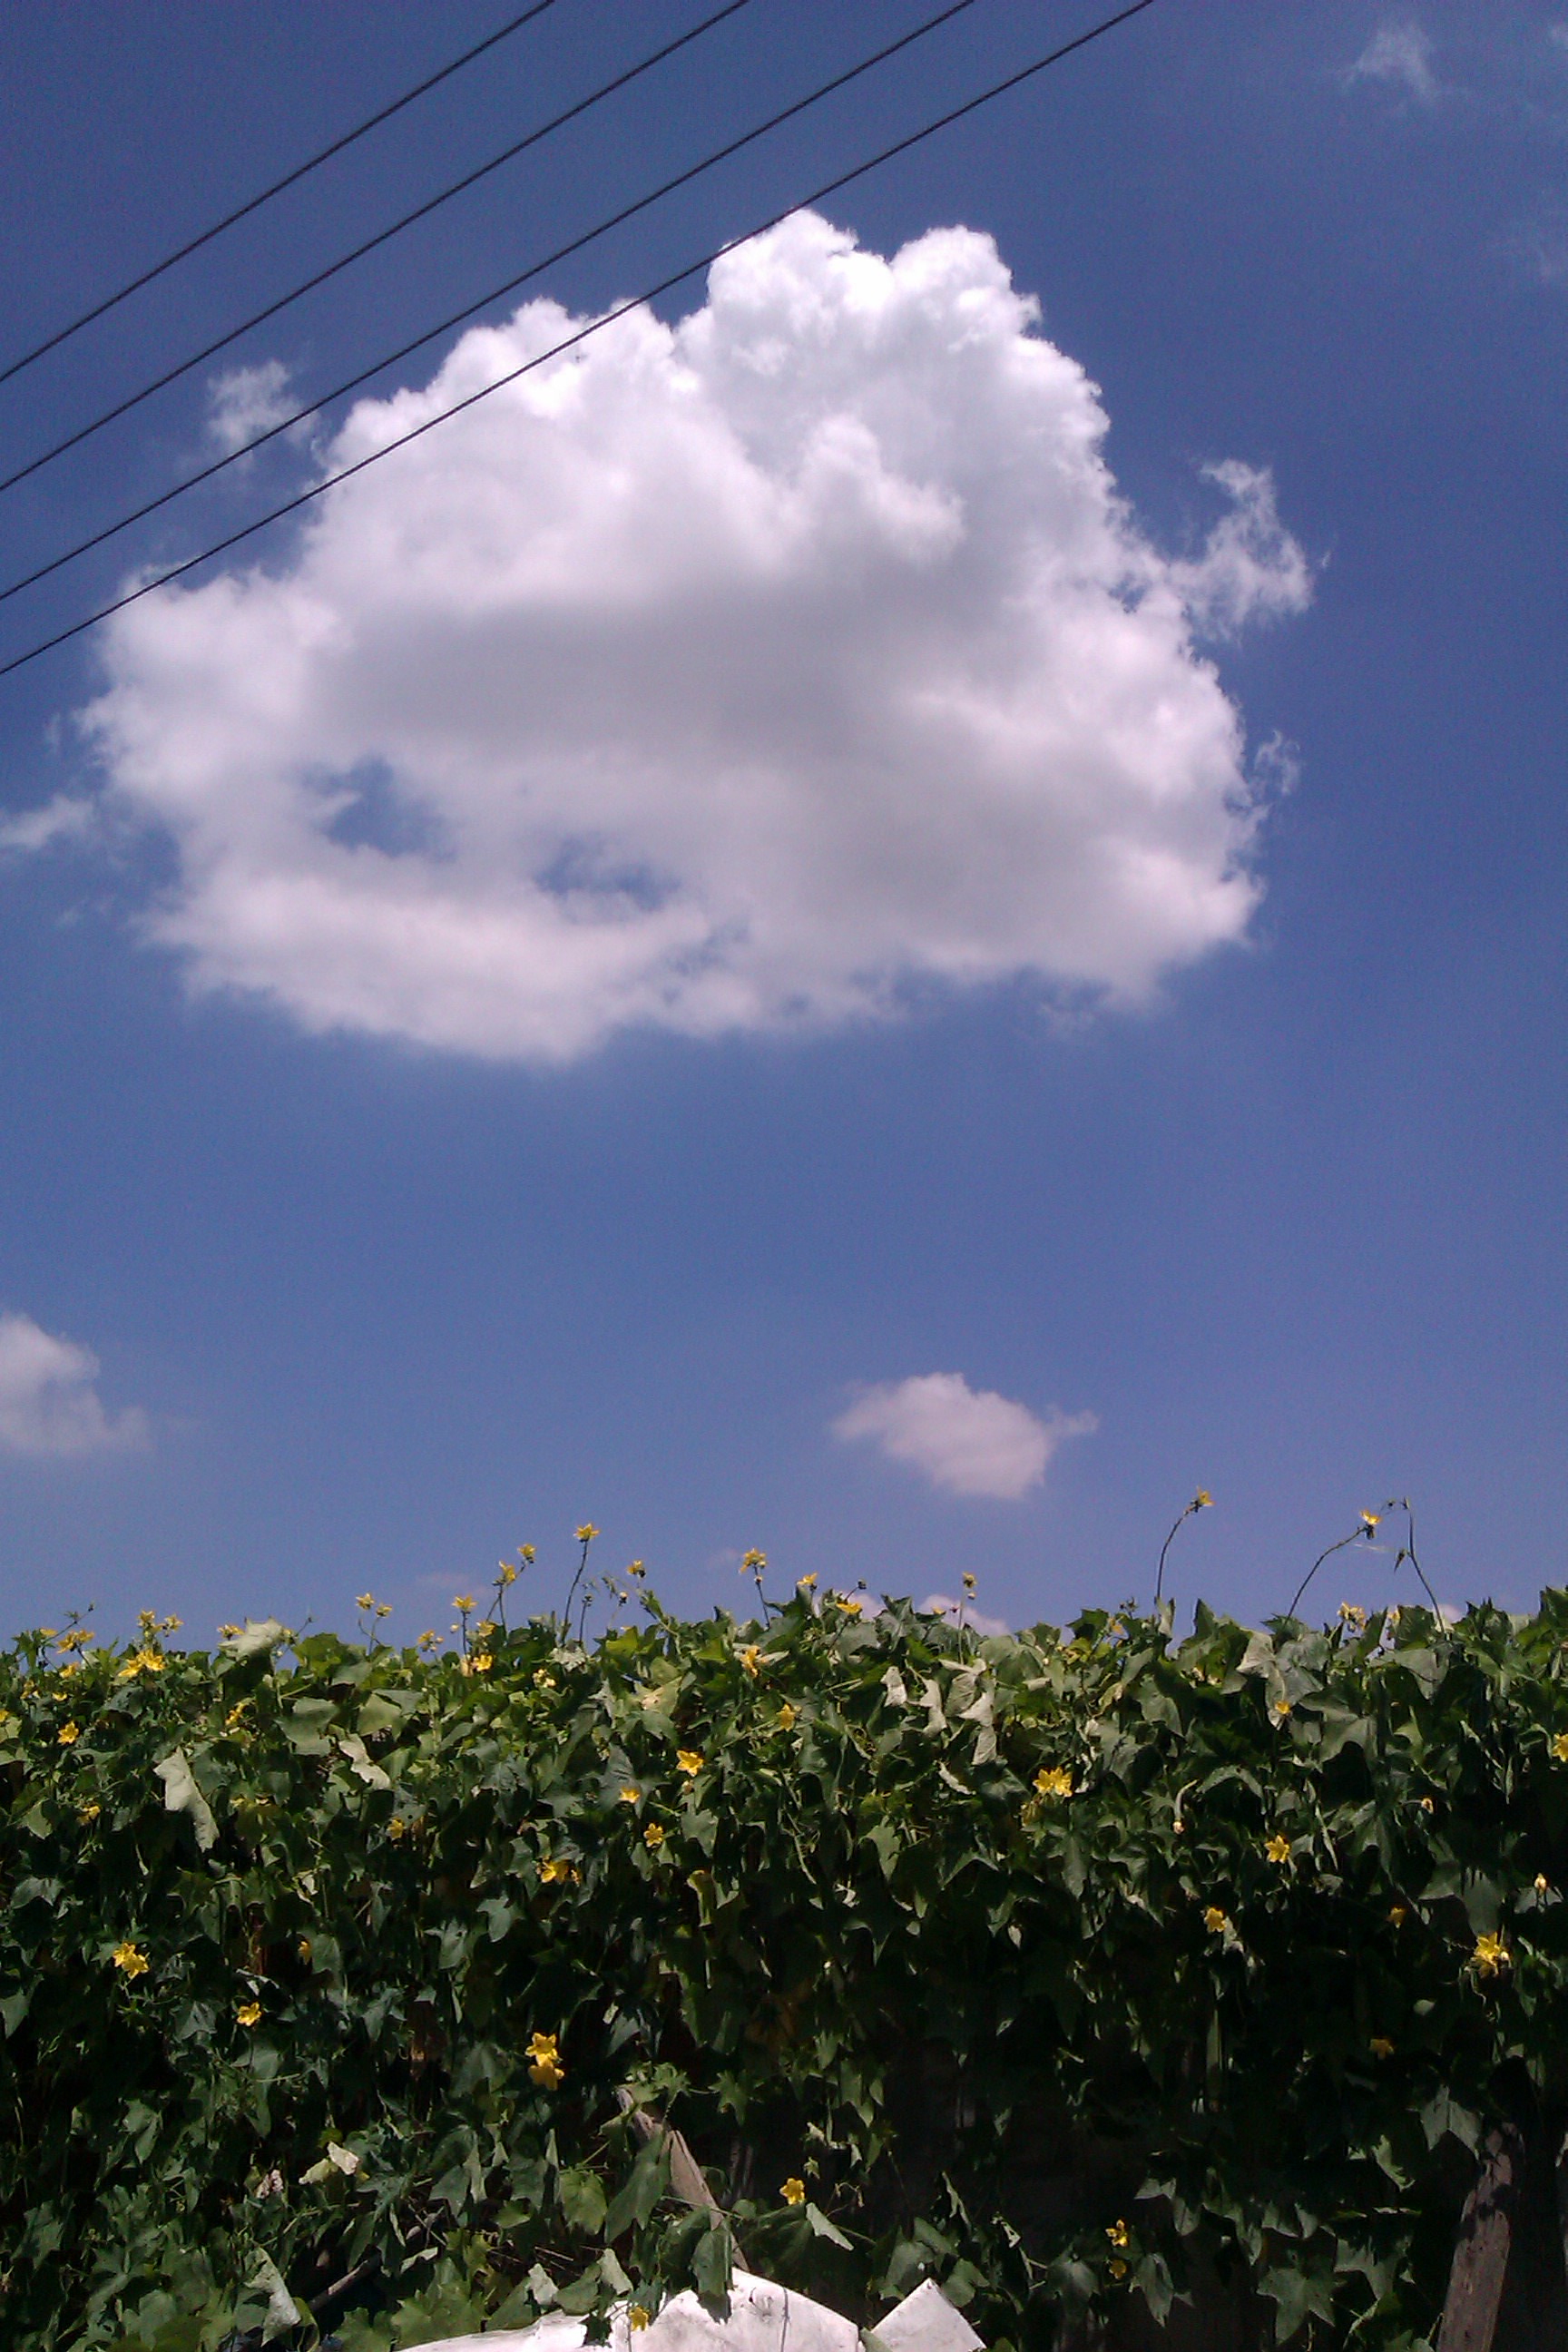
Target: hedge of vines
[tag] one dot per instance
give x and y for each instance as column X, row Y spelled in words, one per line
column 334, row 1977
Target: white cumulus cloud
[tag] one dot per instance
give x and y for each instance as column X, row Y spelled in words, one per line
column 747, row 673
column 966, row 1441
column 247, row 401
column 50, row 1402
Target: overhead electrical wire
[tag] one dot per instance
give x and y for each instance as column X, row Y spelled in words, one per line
column 265, row 195
column 582, row 334
column 382, row 237
column 456, row 318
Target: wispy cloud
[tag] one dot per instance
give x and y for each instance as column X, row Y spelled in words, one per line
column 50, row 1402
column 62, row 819
column 247, row 401
column 966, row 1441
column 1401, row 56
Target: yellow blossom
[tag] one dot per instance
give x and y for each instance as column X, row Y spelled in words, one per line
column 690, row 1760
column 1214, row 1920
column 397, row 1827
column 1280, row 1709
column 1119, row 2236
column 653, row 1837
column 1428, row 1804
column 586, row 1532
column 542, row 1680
column 629, row 1794
column 1397, row 1914
column 848, row 1602
column 141, row 1661
column 636, row 1568
column 1541, row 1885
column 788, row 1716
column 638, row 2318
column 249, row 2013
column 1381, row 2046
column 236, row 1715
column 1560, row 1747
column 364, row 1600
column 69, row 1734
column 1278, row 1848
column 752, row 1658
column 1492, row 1956
column 1202, row 1500
column 304, row 1948
column 505, row 1573
column 528, row 1554
column 171, row 1624
column 71, row 1667
column 545, row 2062
column 478, row 1662
column 132, row 1960
column 463, row 1601
column 969, row 1579
column 86, row 1815
column 428, row 1640
column 793, row 2190
column 556, row 1870
column 1053, row 1780
column 1369, row 1520
column 1353, row 1616
column 1118, row 2268
column 229, row 1632
column 754, row 1559
column 806, row 1583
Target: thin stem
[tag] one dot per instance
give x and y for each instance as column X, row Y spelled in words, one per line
column 1364, row 1529
column 1200, row 1502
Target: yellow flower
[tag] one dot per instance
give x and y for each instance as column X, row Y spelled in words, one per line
column 1214, row 1920
column 304, row 1950
column 806, row 1583
column 69, row 1734
column 428, row 1640
column 1052, row 1781
column 1278, row 1848
column 1541, row 1883
column 1397, row 1914
column 1280, row 1709
column 543, row 1681
column 630, row 1795
column 636, row 1568
column 86, row 1815
column 1492, row 1956
column 229, row 1632
column 653, row 1837
column 636, row 2318
column 132, row 1961
column 1381, row 2046
column 141, row 1661
column 1560, row 1747
column 1428, row 1804
column 793, row 2192
column 754, row 1559
column 586, row 1532
column 969, row 1579
column 752, row 1658
column 1353, row 1616
column 788, row 1716
column 397, row 1827
column 171, row 1624
column 463, row 1601
column 1119, row 2236
column 236, row 1715
column 545, row 2062
column 1118, row 2268
column 71, row 1667
column 1369, row 1520
column 505, row 1573
column 249, row 2013
column 690, row 1760
column 556, row 1870
column 364, row 1600
column 1202, row 1500
column 478, row 1662
column 528, row 1554
column 848, row 1602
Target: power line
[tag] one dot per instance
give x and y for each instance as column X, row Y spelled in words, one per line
column 594, row 326
column 254, row 203
column 456, row 318
column 382, row 237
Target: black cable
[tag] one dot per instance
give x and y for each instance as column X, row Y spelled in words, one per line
column 382, row 237
column 456, row 318
column 194, row 245
column 594, row 327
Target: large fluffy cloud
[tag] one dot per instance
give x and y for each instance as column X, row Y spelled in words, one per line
column 735, row 674
column 50, row 1402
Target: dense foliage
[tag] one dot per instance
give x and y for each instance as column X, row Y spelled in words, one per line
column 1067, row 1968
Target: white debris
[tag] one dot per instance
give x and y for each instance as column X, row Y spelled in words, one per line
column 924, row 2322
column 764, row 2317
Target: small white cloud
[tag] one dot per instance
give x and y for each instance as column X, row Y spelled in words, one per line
column 942, row 1604
column 1401, row 56
column 48, row 1398
column 966, row 1441
column 62, row 819
column 247, row 401
column 758, row 671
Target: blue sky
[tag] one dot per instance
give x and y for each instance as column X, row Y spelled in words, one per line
column 333, row 1258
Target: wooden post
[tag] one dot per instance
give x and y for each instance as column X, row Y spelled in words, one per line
column 1485, row 2235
